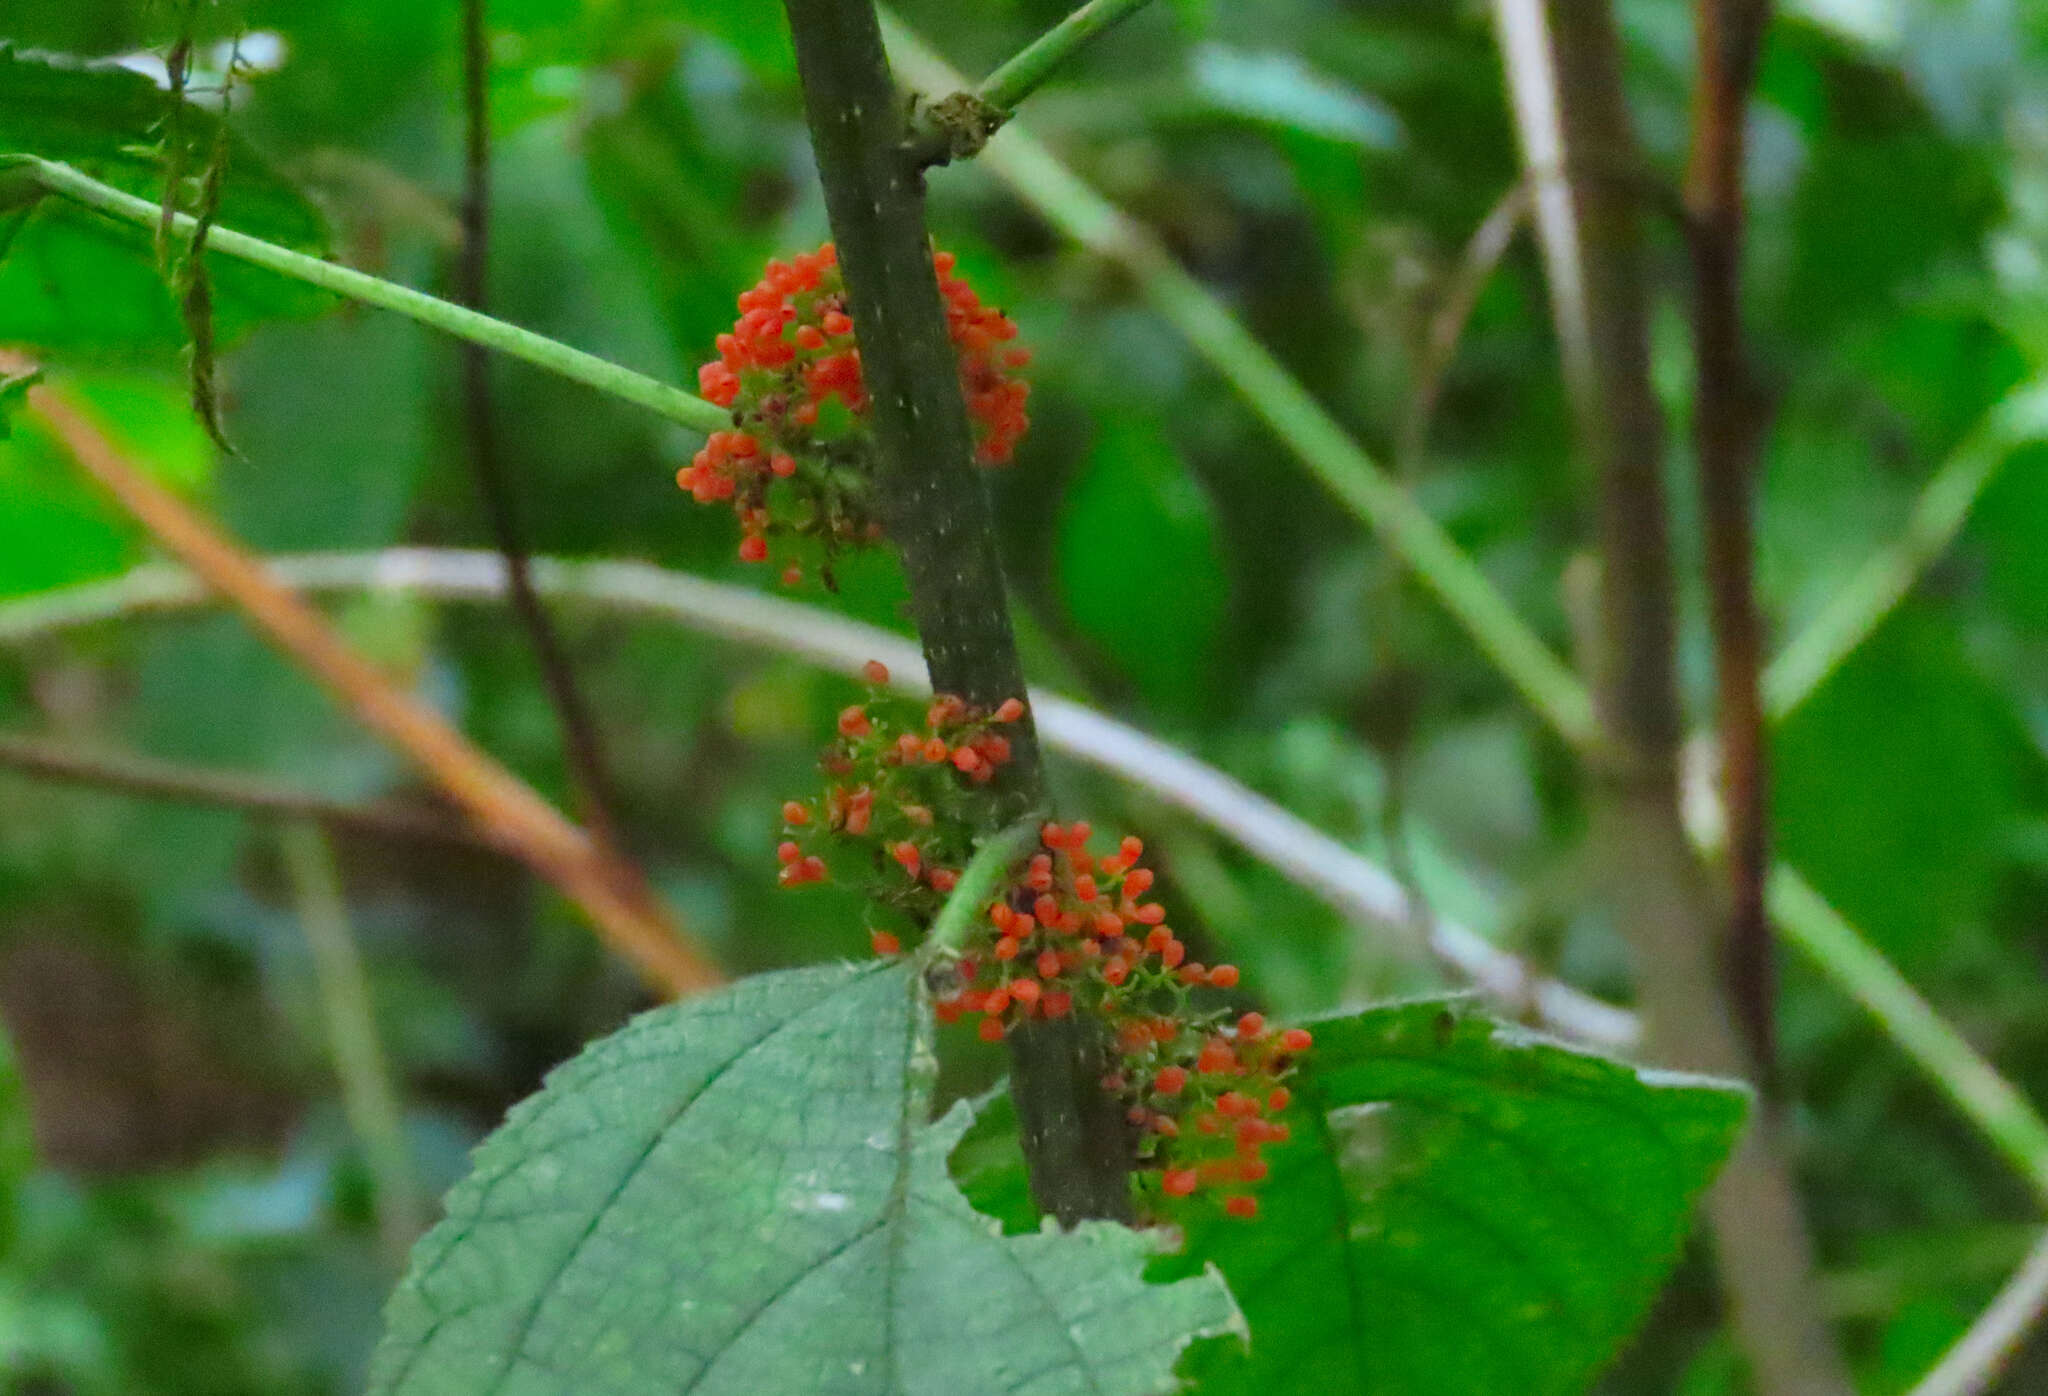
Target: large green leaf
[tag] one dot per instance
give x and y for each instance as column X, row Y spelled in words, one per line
column 1463, row 1207
column 740, row 1195
column 1141, row 568
column 72, row 280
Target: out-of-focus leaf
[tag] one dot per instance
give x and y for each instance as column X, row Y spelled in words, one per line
column 1895, row 783
column 55, row 526
column 1140, row 568
column 13, row 395
column 74, row 281
column 758, row 33
column 1280, row 88
column 17, row 1145
column 739, row 1195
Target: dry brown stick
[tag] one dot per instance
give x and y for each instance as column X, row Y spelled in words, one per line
column 622, row 911
column 1728, row 416
column 1564, row 64
column 153, row 779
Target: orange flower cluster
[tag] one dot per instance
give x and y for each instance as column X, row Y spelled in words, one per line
column 892, row 815
column 799, row 458
column 1076, row 935
column 1204, row 1100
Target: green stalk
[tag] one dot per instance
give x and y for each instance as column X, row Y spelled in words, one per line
column 369, row 1093
column 2001, row 1113
column 1021, row 76
column 552, row 355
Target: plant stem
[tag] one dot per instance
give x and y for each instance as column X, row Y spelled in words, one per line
column 1284, row 405
column 625, row 915
column 936, row 510
column 610, row 378
column 1728, row 425
column 1017, row 79
column 2004, row 1115
column 168, row 780
column 1355, row 887
column 1564, row 71
column 1970, row 1366
column 369, row 1092
column 580, row 742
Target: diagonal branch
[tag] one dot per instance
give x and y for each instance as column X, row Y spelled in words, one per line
column 22, row 174
column 199, row 785
column 611, row 896
column 1353, row 886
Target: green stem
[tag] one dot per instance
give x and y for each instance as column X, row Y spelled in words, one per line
column 2003, row 1115
column 935, row 507
column 1283, row 404
column 601, row 374
column 369, row 1095
column 994, row 863
column 1021, row 76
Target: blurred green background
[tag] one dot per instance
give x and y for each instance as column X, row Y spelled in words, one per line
column 184, row 1207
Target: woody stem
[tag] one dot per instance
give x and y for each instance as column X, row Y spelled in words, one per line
column 936, row 510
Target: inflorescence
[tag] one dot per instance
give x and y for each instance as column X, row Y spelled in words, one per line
column 800, row 459
column 1075, row 935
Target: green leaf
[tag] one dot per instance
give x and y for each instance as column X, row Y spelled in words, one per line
column 17, row 1144
column 1894, row 784
column 738, row 1195
column 1141, row 568
column 1463, row 1207
column 14, row 396
column 71, row 280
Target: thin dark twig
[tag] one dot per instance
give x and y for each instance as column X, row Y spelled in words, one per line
column 1728, row 421
column 1483, row 250
column 152, row 779
column 581, row 744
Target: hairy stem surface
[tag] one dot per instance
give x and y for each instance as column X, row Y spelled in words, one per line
column 936, row 511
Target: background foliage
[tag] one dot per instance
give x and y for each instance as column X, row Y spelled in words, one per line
column 197, row 1216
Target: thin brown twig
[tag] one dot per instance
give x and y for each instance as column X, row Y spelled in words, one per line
column 1728, row 418
column 581, row 744
column 153, row 779
column 629, row 919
